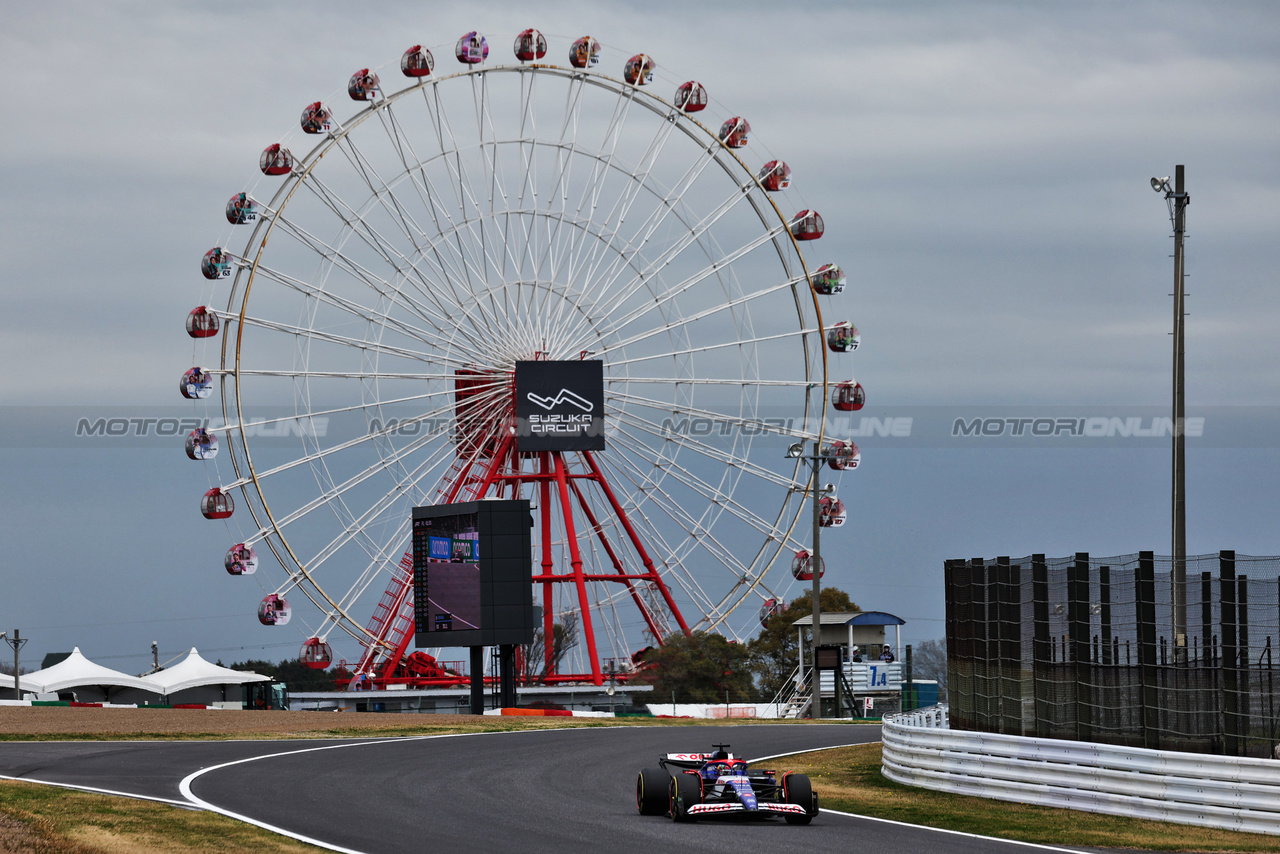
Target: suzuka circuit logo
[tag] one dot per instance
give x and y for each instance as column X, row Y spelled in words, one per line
column 560, row 405
column 564, row 396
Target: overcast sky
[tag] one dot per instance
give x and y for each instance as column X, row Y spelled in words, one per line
column 982, row 168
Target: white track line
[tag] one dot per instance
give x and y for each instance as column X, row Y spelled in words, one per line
column 1035, row 845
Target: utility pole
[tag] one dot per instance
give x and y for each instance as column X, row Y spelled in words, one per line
column 1177, row 199
column 17, row 642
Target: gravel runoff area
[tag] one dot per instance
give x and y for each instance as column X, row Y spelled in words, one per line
column 37, row 721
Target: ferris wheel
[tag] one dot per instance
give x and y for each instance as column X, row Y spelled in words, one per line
column 390, row 270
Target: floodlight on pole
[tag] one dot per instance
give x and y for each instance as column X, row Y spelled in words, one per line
column 1177, row 199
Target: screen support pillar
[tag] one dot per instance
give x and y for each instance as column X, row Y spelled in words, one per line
column 477, row 680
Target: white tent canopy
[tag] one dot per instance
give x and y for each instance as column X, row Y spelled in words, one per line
column 193, row 672
column 25, row 682
column 76, row 671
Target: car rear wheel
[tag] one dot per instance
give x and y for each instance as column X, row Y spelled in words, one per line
column 797, row 789
column 653, row 791
column 686, row 790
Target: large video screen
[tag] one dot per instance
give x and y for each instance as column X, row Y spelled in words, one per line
column 472, row 570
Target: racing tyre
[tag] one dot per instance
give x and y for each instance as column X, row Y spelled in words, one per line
column 653, row 791
column 797, row 789
column 686, row 790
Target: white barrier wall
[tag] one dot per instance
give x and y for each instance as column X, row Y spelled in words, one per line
column 1214, row 791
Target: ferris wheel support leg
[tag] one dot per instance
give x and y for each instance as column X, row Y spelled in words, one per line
column 548, row 599
column 635, row 541
column 575, row 558
column 617, row 564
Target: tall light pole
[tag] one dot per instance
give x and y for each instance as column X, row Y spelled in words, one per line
column 815, row 461
column 1177, row 199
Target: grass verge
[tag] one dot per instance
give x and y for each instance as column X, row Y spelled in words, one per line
column 48, row 820
column 849, row 779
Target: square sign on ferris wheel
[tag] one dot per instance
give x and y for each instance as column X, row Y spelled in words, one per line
column 560, row 405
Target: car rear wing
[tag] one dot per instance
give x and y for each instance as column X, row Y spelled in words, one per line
column 688, row 760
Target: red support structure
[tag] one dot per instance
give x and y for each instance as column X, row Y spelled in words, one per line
column 489, row 462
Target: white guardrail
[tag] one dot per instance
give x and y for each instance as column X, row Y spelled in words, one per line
column 1224, row 792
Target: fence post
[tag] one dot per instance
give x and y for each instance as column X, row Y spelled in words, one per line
column 1206, row 619
column 1145, row 607
column 1244, row 662
column 1230, row 654
column 1078, row 628
column 981, row 658
column 1040, row 663
column 960, row 657
column 1011, row 690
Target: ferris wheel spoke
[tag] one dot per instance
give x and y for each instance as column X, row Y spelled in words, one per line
column 626, row 470
column 328, row 496
column 429, row 196
column 331, row 338
column 464, row 189
column 713, row 494
column 371, row 237
column 723, row 261
column 616, row 216
column 693, row 443
column 361, row 311
column 753, row 425
column 690, row 319
column 359, row 272
column 561, row 263
column 706, row 348
column 658, row 217
column 370, row 436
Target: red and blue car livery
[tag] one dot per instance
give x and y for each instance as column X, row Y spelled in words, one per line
column 690, row 786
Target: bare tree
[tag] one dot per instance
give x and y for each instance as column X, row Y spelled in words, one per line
column 929, row 661
column 564, row 637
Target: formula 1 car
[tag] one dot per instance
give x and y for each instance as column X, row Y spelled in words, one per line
column 690, row 786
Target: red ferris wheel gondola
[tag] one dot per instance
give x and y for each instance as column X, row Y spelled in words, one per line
column 363, row 85
column 769, row 609
column 807, row 225
column 774, row 176
column 831, row 512
column 202, row 323
column 849, row 397
column 417, row 62
column 803, row 563
column 530, row 45
column 691, row 97
column 217, row 504
column 316, row 118
column 315, row 654
column 275, row 160
column 844, row 456
column 734, row 132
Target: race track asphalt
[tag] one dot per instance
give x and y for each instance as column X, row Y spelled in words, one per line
column 530, row 791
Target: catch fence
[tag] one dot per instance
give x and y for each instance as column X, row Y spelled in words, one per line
column 1084, row 648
